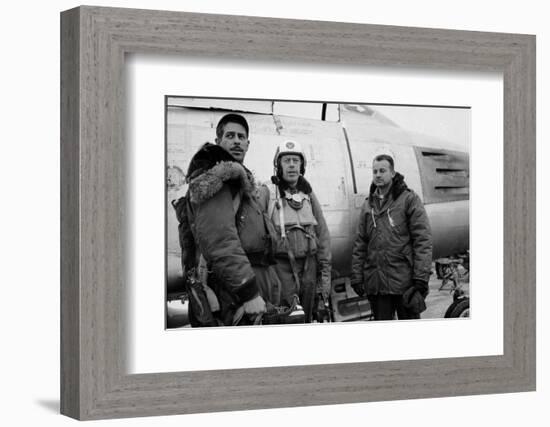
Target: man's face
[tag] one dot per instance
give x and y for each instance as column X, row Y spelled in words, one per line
column 382, row 174
column 290, row 164
column 234, row 140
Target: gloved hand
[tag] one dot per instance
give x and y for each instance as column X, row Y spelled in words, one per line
column 422, row 287
column 413, row 300
column 357, row 285
column 253, row 309
column 254, row 306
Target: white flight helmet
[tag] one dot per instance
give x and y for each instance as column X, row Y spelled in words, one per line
column 289, row 147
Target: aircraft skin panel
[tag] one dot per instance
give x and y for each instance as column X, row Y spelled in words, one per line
column 363, row 151
column 381, row 129
column 450, row 223
column 363, row 114
column 341, row 256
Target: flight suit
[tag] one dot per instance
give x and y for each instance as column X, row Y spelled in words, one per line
column 303, row 256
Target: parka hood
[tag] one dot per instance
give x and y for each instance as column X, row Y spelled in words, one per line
column 397, row 187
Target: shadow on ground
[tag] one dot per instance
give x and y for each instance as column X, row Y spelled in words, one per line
column 51, row 405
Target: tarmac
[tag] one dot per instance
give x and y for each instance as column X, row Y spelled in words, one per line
column 437, row 301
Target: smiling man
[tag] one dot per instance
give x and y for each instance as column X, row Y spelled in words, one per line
column 392, row 253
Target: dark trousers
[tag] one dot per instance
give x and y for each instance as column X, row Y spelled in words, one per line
column 385, row 307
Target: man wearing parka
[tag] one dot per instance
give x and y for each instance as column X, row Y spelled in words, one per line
column 225, row 215
column 392, row 252
column 303, row 240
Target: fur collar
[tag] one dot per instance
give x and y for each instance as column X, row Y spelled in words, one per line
column 207, row 157
column 210, row 168
column 398, row 186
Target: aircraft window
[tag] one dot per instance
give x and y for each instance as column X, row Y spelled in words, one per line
column 445, row 174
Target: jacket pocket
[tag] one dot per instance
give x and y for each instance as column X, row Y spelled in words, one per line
column 251, row 229
column 408, row 256
column 399, row 272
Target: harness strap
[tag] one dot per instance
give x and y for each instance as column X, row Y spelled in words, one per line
column 277, row 202
column 271, row 207
column 282, row 219
column 299, row 227
column 203, row 278
column 294, row 267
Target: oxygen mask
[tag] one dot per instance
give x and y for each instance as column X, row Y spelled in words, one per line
column 295, row 200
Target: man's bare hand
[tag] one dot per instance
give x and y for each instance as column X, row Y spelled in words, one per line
column 255, row 306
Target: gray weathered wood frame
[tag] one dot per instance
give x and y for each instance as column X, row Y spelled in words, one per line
column 94, row 42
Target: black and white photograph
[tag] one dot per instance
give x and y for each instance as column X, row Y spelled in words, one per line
column 289, row 212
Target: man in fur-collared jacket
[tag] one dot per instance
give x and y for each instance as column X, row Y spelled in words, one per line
column 225, row 214
column 392, row 253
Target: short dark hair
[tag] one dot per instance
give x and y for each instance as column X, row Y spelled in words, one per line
column 230, row 118
column 387, row 157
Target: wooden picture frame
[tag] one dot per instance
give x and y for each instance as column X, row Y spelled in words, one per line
column 94, row 41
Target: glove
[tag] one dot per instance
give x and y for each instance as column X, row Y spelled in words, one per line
column 357, row 286
column 422, row 287
column 254, row 306
column 413, row 301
